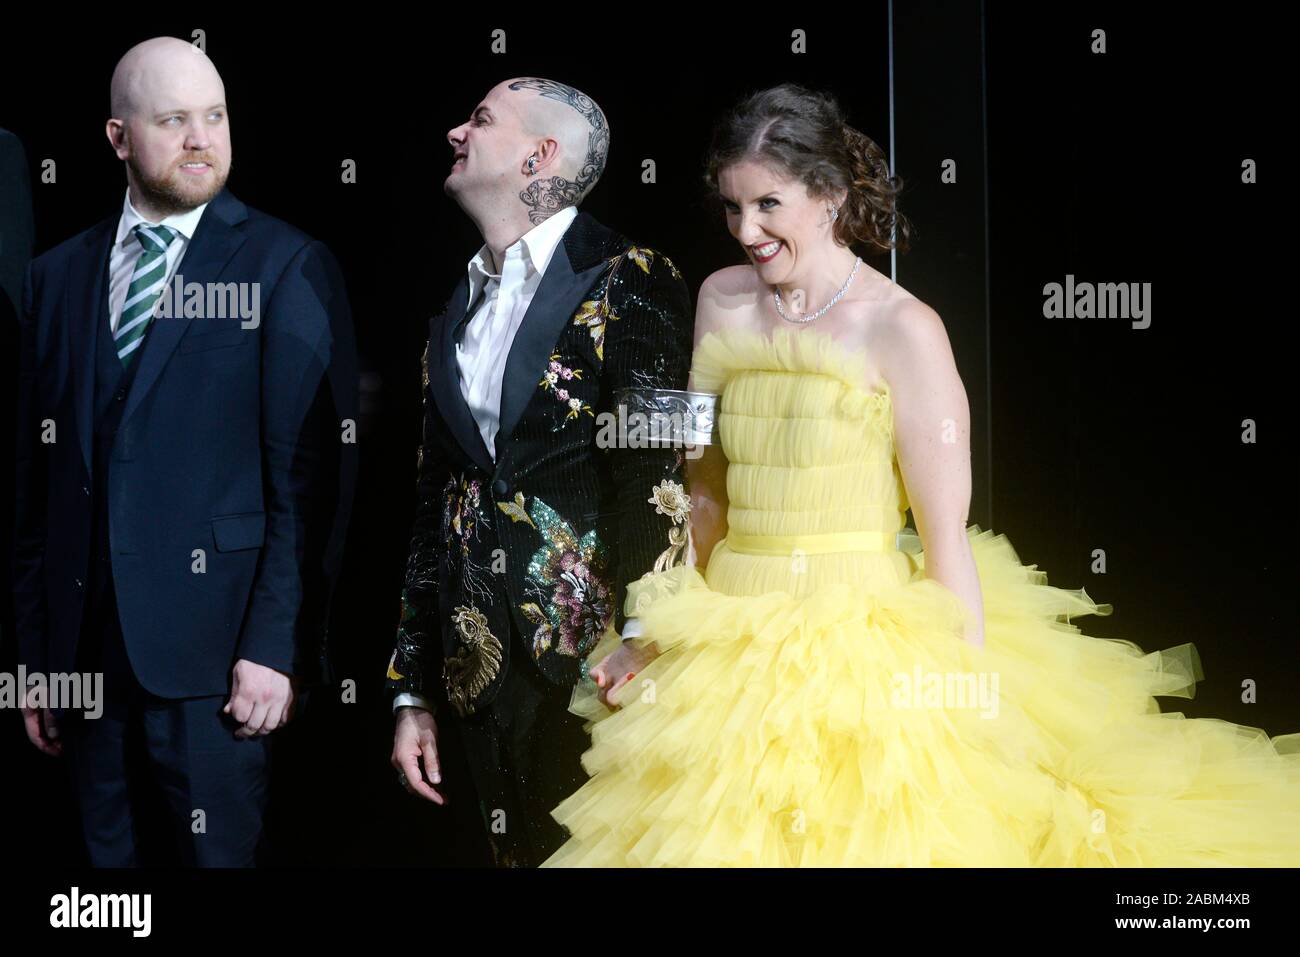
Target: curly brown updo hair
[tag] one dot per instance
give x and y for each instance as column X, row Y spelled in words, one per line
column 804, row 134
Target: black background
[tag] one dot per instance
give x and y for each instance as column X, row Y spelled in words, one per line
column 1089, row 434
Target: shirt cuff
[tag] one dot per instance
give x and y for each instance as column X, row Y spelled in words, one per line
column 412, row 700
column 631, row 628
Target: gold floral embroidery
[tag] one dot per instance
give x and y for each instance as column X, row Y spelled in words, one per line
column 677, row 541
column 645, row 257
column 596, row 313
column 515, row 509
column 471, row 669
column 593, row 314
column 670, row 498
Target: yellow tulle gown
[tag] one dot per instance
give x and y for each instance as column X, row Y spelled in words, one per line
column 815, row 704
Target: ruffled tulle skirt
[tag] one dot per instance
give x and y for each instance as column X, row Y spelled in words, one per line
column 855, row 727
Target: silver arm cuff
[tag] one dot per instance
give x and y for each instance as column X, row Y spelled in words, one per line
column 653, row 418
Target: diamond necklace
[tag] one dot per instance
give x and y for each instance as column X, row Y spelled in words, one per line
column 776, row 295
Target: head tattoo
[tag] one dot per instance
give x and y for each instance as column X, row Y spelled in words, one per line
column 547, row 197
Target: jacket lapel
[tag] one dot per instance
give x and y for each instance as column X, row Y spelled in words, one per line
column 87, row 318
column 446, row 384
column 573, row 268
column 215, row 241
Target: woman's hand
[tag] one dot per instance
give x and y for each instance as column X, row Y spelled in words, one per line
column 620, row 666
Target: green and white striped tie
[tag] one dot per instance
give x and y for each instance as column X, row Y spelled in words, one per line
column 142, row 295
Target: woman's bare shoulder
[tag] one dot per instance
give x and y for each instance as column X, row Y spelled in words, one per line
column 908, row 334
column 727, row 299
column 731, row 282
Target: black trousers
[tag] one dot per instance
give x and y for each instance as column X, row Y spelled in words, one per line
column 212, row 785
column 525, row 754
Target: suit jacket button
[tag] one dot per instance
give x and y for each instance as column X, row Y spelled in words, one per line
column 86, row 489
column 78, row 582
column 500, row 487
column 121, row 395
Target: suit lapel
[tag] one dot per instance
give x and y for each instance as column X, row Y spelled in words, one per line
column 573, row 269
column 446, row 385
column 215, row 242
column 87, row 318
column 552, row 308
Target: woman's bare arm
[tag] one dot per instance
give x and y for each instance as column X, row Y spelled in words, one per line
column 932, row 441
column 706, row 466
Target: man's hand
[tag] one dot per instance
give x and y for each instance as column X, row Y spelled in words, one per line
column 416, row 737
column 619, row 667
column 42, row 730
column 261, row 698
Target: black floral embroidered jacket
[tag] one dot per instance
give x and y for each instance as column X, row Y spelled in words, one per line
column 553, row 531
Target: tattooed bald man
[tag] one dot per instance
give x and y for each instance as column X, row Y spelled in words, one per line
column 530, row 521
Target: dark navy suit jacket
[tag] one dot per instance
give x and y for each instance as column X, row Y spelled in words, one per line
column 230, row 457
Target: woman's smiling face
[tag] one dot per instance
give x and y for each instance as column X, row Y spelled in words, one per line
column 777, row 221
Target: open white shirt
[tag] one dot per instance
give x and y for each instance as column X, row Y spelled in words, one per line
column 481, row 354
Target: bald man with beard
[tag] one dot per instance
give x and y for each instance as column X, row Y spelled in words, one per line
column 531, row 516
column 182, row 482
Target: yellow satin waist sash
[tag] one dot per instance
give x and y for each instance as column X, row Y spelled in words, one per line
column 818, row 544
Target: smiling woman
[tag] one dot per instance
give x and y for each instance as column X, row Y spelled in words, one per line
column 799, row 187
column 830, row 689
column 815, row 146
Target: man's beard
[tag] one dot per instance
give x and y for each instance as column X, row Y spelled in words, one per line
column 165, row 196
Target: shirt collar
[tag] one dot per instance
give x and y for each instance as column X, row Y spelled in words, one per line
column 536, row 246
column 184, row 223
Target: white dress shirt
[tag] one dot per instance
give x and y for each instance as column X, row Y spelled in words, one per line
column 481, row 354
column 127, row 249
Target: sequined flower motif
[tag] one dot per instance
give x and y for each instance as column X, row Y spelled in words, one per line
column 460, row 509
column 471, row 669
column 557, row 373
column 670, row 498
column 569, row 572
